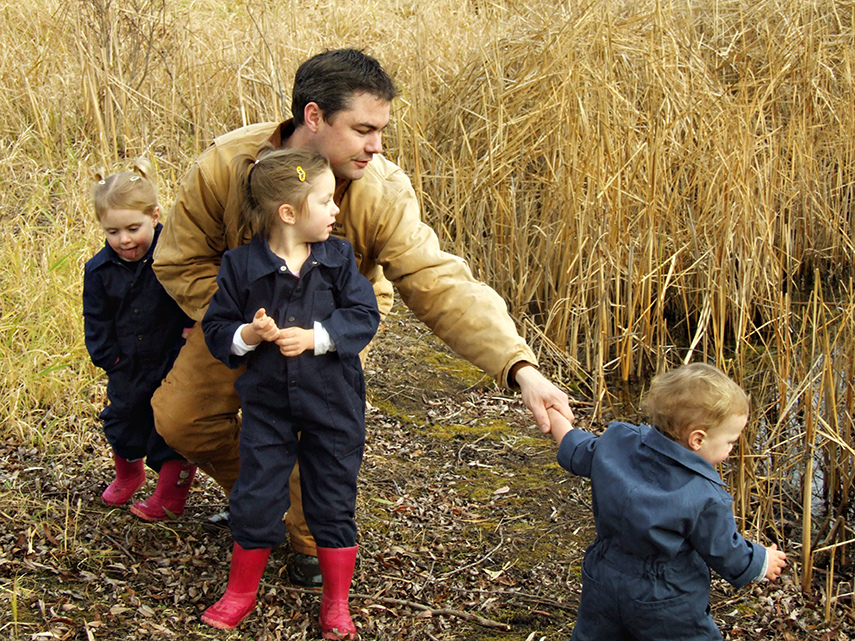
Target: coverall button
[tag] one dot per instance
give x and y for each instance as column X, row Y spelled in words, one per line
column 293, row 383
column 291, row 319
column 283, row 269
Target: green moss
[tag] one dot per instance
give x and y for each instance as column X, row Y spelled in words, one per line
column 489, row 429
column 460, row 369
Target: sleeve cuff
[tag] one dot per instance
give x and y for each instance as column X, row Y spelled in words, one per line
column 323, row 341
column 512, row 373
column 765, row 567
column 239, row 347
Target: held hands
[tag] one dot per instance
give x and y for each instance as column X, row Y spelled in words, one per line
column 293, row 341
column 540, row 395
column 777, row 561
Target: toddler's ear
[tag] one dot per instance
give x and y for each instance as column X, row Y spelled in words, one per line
column 696, row 439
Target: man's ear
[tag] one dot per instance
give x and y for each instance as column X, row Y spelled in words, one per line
column 287, row 214
column 696, row 439
column 312, row 116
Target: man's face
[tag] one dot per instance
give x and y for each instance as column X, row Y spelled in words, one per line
column 354, row 135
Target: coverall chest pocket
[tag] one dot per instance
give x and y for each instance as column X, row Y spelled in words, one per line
column 323, row 305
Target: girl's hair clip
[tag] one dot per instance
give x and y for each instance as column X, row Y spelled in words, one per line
column 301, row 174
column 134, row 178
column 102, row 182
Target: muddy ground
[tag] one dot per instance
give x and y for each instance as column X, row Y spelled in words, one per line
column 468, row 530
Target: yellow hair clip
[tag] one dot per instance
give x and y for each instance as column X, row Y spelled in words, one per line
column 301, row 174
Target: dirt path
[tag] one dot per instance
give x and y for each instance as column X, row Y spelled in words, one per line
column 469, row 530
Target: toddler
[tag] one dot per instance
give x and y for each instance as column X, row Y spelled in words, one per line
column 663, row 518
column 133, row 332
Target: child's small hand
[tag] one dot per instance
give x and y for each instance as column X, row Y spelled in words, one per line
column 293, row 341
column 777, row 561
column 264, row 326
column 560, row 425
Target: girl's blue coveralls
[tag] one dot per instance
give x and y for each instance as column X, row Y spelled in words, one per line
column 309, row 407
column 663, row 520
column 133, row 332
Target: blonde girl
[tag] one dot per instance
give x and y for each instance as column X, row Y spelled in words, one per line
column 133, row 332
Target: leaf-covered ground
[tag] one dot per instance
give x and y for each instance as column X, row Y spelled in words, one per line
column 468, row 530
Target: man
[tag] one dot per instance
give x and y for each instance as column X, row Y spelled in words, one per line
column 341, row 104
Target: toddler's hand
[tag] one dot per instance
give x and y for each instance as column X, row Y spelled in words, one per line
column 293, row 341
column 777, row 561
column 559, row 424
column 264, row 326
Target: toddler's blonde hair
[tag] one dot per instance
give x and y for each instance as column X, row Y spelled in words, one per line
column 690, row 397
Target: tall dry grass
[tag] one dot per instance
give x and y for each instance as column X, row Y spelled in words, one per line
column 645, row 182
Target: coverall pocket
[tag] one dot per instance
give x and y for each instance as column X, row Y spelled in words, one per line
column 323, row 305
column 685, row 617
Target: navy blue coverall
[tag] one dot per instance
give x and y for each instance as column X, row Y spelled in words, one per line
column 308, row 408
column 663, row 520
column 133, row 332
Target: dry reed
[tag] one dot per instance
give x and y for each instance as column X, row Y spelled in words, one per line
column 646, row 183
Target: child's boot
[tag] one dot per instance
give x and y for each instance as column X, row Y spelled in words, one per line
column 239, row 600
column 130, row 476
column 337, row 570
column 170, row 495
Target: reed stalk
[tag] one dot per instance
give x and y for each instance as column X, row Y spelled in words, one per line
column 645, row 183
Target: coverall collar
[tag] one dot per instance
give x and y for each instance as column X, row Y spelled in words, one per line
column 657, row 441
column 262, row 260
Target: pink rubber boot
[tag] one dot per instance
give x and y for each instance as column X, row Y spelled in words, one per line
column 130, row 476
column 239, row 600
column 170, row 495
column 337, row 571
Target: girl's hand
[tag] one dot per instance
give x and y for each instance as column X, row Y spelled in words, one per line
column 264, row 327
column 293, row 341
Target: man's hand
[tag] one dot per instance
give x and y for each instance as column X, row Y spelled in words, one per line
column 293, row 341
column 539, row 395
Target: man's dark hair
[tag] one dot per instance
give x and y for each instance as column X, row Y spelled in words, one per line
column 331, row 78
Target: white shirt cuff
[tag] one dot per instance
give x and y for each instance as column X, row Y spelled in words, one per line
column 323, row 341
column 765, row 567
column 239, row 347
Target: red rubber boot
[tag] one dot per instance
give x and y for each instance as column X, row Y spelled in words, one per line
column 130, row 476
column 170, row 495
column 337, row 571
column 239, row 600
